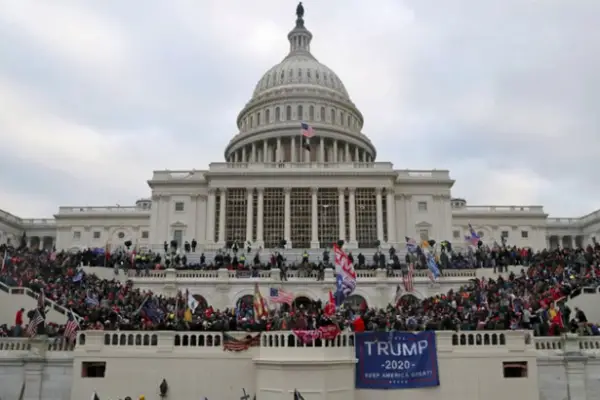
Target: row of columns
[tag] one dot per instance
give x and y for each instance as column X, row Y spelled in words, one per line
column 339, row 152
column 314, row 216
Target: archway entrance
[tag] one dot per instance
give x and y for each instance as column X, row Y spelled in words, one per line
column 303, row 302
column 202, row 303
column 355, row 302
column 408, row 300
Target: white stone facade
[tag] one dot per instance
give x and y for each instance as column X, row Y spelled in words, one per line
column 195, row 365
column 277, row 184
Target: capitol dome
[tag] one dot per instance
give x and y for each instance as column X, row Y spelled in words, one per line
column 300, row 89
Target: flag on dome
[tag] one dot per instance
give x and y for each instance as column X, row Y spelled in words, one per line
column 307, row 133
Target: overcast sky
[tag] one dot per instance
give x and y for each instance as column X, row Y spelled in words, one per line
column 95, row 95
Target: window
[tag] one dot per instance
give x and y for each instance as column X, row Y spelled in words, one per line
column 121, row 235
column 524, row 234
column 267, row 116
column 300, row 115
column 179, row 206
column 422, row 205
column 424, row 234
column 504, row 234
column 94, row 369
column 456, row 234
column 258, row 119
column 311, row 113
column 277, row 114
column 515, row 369
column 288, row 113
column 322, row 116
column 96, row 234
column 308, row 73
column 251, row 121
column 77, row 235
column 145, row 234
column 333, row 116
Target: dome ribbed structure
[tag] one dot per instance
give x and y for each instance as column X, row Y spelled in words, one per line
column 300, row 89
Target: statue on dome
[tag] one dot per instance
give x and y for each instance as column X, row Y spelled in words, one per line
column 300, row 11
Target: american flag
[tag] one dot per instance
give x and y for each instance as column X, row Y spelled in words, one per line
column 307, row 130
column 280, row 296
column 71, row 328
column 34, row 323
column 408, row 279
column 473, row 238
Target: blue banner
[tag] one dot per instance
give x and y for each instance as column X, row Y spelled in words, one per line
column 396, row 360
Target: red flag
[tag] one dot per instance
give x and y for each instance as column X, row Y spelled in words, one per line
column 330, row 306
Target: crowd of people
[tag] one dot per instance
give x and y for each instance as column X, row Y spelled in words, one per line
column 532, row 299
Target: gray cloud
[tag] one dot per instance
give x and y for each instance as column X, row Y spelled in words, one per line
column 503, row 94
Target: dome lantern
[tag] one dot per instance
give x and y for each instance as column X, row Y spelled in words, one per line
column 300, row 37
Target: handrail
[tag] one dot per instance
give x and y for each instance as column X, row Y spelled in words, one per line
column 27, row 291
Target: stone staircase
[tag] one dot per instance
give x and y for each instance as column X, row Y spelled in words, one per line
column 14, row 298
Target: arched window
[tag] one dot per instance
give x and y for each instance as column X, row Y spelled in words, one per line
column 267, row 116
column 348, row 120
column 308, row 73
column 341, row 118
column 300, row 113
column 333, row 115
column 299, row 72
column 288, row 113
column 282, row 76
column 277, row 114
column 311, row 113
column 322, row 116
column 258, row 118
column 251, row 121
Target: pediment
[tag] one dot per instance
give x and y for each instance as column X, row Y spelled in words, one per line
column 178, row 224
column 423, row 224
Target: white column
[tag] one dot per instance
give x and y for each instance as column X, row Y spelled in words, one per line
column 210, row 216
column 341, row 214
column 352, row 213
column 356, row 155
column 287, row 216
column 265, row 157
column 347, row 153
column 249, row 221
column 391, row 215
column 314, row 243
column 278, row 153
column 321, row 150
column 244, row 158
column 194, row 204
column 253, row 152
column 335, row 151
column 223, row 197
column 293, row 148
column 379, row 215
column 410, row 228
column 259, row 215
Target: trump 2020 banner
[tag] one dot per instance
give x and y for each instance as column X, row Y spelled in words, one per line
column 396, row 360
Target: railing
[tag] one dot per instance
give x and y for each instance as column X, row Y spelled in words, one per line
column 422, row 174
column 110, row 209
column 24, row 346
column 274, row 274
column 500, row 209
column 28, row 292
column 8, row 217
column 38, row 221
column 343, row 166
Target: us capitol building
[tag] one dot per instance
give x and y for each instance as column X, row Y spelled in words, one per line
column 272, row 187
